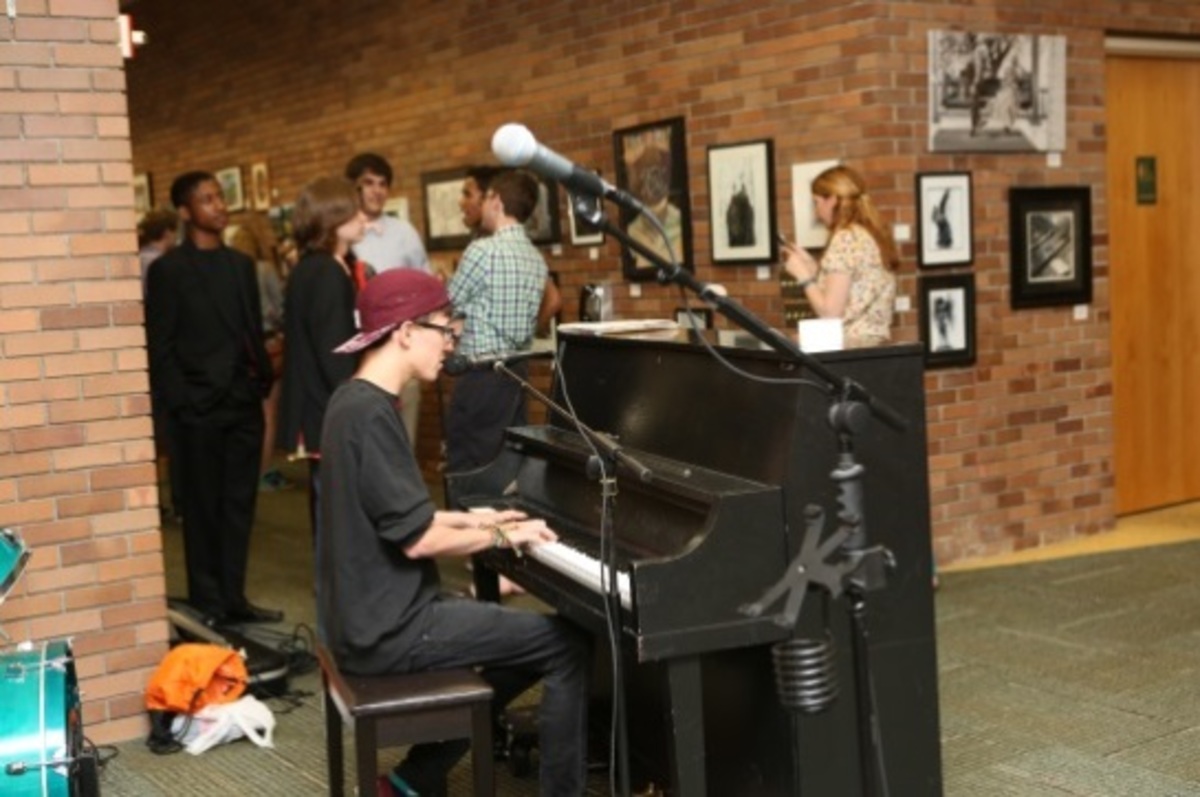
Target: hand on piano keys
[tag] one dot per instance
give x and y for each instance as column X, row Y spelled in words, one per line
column 518, row 530
column 523, row 534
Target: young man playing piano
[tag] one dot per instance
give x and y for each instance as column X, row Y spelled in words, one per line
column 381, row 607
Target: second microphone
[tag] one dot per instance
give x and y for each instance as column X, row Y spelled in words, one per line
column 457, row 364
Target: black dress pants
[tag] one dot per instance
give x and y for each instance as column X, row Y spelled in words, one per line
column 483, row 405
column 219, row 466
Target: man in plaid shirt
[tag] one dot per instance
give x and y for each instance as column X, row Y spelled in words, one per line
column 498, row 287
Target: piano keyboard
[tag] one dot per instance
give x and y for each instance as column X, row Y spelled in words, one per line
column 580, row 568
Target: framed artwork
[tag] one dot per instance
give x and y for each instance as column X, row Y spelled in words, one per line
column 260, row 186
column 703, row 317
column 1050, row 232
column 810, row 232
column 444, row 228
column 741, row 201
column 947, row 317
column 396, row 207
column 280, row 217
column 944, row 232
column 231, row 186
column 651, row 162
column 583, row 233
column 543, row 225
column 143, row 192
column 993, row 92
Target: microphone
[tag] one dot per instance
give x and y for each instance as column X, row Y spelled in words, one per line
column 514, row 145
column 457, row 364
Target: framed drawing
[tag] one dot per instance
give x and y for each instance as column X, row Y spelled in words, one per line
column 1050, row 234
column 944, row 232
column 997, row 92
column 583, row 233
column 741, row 201
column 947, row 317
column 810, row 232
column 444, row 228
column 231, row 186
column 260, row 186
column 543, row 226
column 651, row 164
column 143, row 192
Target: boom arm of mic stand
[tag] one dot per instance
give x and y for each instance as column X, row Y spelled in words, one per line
column 841, row 388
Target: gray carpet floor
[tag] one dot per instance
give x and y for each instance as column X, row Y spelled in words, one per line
column 1066, row 677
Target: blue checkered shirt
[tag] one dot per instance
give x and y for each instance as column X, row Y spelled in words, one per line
column 498, row 287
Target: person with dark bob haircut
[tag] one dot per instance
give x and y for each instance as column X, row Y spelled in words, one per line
column 318, row 313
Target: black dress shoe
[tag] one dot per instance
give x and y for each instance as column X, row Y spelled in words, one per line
column 250, row 613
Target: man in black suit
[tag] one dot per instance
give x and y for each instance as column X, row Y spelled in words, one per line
column 208, row 366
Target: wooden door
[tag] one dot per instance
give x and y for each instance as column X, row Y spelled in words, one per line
column 1153, row 109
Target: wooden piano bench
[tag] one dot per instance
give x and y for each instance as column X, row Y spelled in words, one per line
column 407, row 709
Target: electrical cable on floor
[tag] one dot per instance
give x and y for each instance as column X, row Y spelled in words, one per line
column 297, row 646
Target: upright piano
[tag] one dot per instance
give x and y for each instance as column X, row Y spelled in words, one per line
column 729, row 451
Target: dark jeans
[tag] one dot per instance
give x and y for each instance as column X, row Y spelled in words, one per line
column 483, row 405
column 514, row 649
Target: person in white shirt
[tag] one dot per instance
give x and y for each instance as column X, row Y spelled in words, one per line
column 389, row 242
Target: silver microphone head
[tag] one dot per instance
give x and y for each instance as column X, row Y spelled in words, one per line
column 514, row 145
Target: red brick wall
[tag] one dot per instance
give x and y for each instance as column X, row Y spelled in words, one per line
column 77, row 476
column 1020, row 444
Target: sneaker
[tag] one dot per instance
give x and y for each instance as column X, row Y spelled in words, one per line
column 392, row 785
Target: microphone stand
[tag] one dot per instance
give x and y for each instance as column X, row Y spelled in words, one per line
column 856, row 567
column 602, row 466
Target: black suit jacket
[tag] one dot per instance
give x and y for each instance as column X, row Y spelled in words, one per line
column 206, row 353
column 318, row 316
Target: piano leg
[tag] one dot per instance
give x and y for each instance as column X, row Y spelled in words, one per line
column 686, row 724
column 487, row 582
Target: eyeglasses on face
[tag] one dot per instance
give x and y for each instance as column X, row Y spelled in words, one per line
column 449, row 334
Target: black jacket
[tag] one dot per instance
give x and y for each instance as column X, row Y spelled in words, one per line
column 318, row 316
column 206, row 352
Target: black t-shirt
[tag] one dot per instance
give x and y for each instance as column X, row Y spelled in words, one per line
column 373, row 503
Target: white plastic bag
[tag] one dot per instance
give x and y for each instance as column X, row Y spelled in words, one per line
column 226, row 722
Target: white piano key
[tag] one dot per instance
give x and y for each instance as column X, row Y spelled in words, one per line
column 580, row 568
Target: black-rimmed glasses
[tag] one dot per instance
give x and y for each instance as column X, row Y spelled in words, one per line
column 449, row 334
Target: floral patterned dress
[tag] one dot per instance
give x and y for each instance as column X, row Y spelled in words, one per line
column 867, row 320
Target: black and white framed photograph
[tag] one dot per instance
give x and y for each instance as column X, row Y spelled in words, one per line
column 651, row 163
column 944, row 231
column 947, row 317
column 231, row 187
column 444, row 228
column 543, row 225
column 997, row 92
column 1050, row 234
column 741, row 201
column 583, row 233
column 811, row 233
